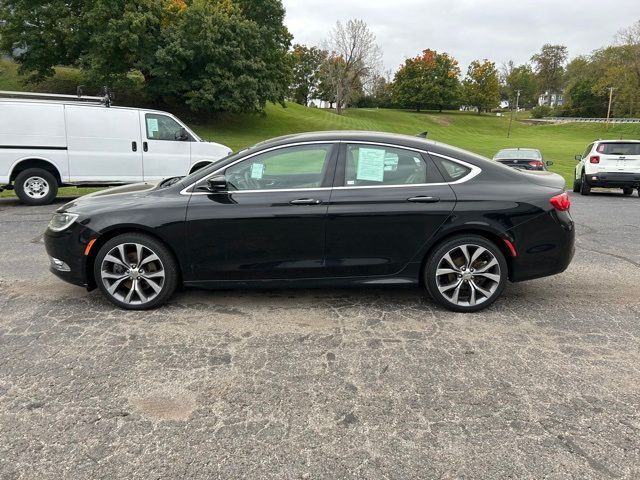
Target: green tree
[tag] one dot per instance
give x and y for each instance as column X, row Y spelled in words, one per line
column 213, row 55
column 581, row 96
column 481, row 87
column 306, row 64
column 430, row 79
column 520, row 78
column 549, row 67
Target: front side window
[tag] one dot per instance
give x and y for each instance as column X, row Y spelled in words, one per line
column 297, row 167
column 370, row 165
column 163, row 127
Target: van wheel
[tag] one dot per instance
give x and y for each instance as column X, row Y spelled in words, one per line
column 627, row 191
column 466, row 273
column 585, row 188
column 35, row 186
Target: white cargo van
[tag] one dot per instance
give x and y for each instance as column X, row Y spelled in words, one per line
column 51, row 140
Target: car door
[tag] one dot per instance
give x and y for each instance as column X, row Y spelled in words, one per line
column 270, row 221
column 387, row 202
column 166, row 148
column 103, row 144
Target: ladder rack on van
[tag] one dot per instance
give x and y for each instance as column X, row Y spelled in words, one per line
column 103, row 99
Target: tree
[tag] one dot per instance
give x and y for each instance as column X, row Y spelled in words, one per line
column 581, row 96
column 352, row 62
column 213, row 55
column 306, row 65
column 520, row 78
column 549, row 66
column 428, row 79
column 481, row 87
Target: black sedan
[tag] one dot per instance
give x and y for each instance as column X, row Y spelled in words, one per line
column 321, row 209
column 522, row 158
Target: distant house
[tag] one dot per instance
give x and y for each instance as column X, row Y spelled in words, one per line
column 551, row 99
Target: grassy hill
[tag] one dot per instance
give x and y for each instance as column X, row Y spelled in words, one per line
column 483, row 134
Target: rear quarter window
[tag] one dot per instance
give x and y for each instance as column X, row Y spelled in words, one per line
column 451, row 171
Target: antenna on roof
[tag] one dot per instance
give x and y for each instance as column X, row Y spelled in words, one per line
column 422, row 135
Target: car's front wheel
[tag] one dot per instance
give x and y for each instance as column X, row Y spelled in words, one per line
column 136, row 272
column 466, row 273
column 576, row 185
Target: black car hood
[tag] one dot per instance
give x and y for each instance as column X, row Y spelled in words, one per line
column 123, row 195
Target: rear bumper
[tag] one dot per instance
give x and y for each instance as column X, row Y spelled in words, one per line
column 613, row 179
column 545, row 246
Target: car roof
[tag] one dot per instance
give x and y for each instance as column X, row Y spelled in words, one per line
column 618, row 140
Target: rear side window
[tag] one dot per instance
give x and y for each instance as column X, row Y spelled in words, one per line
column 370, row 165
column 452, row 171
column 619, row 148
column 587, row 151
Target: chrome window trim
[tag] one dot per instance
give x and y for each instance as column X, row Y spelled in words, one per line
column 475, row 170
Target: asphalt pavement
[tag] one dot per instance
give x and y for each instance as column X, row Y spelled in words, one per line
column 357, row 383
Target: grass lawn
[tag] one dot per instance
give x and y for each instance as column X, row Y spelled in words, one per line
column 483, row 134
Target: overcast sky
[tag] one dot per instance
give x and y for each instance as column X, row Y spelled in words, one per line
column 499, row 30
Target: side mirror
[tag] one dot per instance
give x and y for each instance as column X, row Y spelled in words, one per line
column 217, row 183
column 578, row 158
column 549, row 163
column 183, row 135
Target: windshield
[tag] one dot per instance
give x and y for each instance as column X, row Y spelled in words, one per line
column 521, row 153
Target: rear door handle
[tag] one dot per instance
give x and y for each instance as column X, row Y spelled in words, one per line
column 423, row 199
column 134, row 146
column 305, row 201
column 145, row 146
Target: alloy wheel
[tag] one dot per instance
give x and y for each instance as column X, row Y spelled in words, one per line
column 132, row 273
column 468, row 275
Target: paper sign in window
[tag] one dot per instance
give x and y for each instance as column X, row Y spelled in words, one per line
column 152, row 126
column 370, row 164
column 257, row 170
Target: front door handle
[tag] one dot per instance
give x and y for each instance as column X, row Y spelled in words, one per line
column 305, row 201
column 145, row 146
column 423, row 199
column 134, row 146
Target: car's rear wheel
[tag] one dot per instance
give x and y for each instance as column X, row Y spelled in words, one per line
column 576, row 185
column 466, row 273
column 35, row 186
column 585, row 188
column 627, row 191
column 136, row 272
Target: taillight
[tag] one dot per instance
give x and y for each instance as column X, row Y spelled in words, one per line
column 595, row 159
column 536, row 163
column 561, row 202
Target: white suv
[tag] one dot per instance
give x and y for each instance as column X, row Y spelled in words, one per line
column 609, row 164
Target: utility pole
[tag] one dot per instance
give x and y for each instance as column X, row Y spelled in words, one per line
column 511, row 119
column 609, row 109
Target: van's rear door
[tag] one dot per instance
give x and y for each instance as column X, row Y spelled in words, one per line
column 620, row 156
column 104, row 144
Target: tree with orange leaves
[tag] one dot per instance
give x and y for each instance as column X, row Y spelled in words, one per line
column 428, row 80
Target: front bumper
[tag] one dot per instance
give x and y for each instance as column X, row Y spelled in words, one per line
column 613, row 179
column 66, row 253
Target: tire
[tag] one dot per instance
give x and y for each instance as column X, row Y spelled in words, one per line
column 576, row 185
column 585, row 188
column 627, row 191
column 35, row 186
column 486, row 286
column 130, row 285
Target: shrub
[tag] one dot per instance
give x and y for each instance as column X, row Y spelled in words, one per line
column 541, row 111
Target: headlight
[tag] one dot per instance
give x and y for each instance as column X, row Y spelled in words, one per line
column 61, row 221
